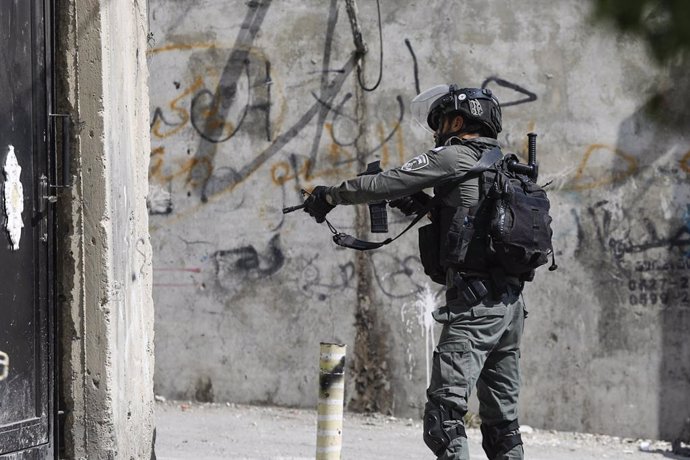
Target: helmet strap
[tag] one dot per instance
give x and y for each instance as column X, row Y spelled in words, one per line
column 441, row 140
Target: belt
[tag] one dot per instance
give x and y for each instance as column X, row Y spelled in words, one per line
column 472, row 290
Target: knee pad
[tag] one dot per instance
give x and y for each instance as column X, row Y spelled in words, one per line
column 436, row 436
column 500, row 439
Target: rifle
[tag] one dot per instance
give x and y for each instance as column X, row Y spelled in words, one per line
column 377, row 211
column 378, row 216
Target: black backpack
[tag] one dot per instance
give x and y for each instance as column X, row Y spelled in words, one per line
column 518, row 225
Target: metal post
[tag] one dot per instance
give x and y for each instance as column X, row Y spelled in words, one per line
column 329, row 426
column 4, row 365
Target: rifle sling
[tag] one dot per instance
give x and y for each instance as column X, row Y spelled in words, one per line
column 485, row 162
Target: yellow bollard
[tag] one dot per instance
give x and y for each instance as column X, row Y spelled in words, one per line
column 329, row 425
column 4, row 365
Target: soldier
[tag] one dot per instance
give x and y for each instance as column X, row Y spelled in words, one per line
column 483, row 316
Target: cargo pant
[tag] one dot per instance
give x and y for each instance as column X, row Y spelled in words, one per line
column 479, row 345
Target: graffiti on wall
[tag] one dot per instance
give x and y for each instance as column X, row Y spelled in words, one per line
column 236, row 92
column 229, row 119
column 649, row 260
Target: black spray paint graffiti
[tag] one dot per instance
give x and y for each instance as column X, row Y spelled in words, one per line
column 210, row 109
column 159, row 116
column 680, row 239
column 338, row 114
column 635, row 269
column 415, row 68
column 530, row 96
column 226, row 91
column 646, row 267
column 247, row 261
column 622, row 246
column 253, row 113
column 214, row 128
column 395, row 275
column 218, row 105
column 329, row 90
column 312, row 284
column 204, row 113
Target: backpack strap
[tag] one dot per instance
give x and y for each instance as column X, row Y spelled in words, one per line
column 487, row 160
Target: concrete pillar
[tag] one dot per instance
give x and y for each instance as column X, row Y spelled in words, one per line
column 104, row 254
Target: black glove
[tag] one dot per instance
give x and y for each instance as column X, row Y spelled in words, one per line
column 316, row 204
column 411, row 204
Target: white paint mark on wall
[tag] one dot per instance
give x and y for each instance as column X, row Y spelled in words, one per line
column 422, row 307
column 13, row 197
column 426, row 304
column 159, row 200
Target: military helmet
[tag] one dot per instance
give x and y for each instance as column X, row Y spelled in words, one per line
column 478, row 106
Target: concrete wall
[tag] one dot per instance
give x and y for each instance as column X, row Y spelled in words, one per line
column 105, row 253
column 251, row 101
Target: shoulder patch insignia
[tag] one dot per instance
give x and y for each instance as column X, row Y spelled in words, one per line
column 418, row 162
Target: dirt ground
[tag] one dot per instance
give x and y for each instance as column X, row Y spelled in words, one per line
column 227, row 431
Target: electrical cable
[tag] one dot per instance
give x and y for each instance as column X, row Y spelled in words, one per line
column 359, row 67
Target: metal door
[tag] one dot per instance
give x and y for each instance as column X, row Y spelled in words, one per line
column 26, row 249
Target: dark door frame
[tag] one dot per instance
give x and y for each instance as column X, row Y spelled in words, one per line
column 41, row 214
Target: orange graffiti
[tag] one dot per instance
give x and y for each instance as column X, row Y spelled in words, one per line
column 182, row 113
column 337, row 161
column 180, row 47
column 604, row 178
column 384, row 148
column 157, row 162
column 341, row 160
column 400, row 142
column 337, row 155
column 282, row 172
column 210, row 113
column 685, row 162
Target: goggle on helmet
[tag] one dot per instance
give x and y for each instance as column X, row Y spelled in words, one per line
column 476, row 105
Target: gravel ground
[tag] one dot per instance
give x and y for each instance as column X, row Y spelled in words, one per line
column 227, row 431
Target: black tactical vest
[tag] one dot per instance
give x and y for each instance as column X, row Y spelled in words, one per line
column 505, row 236
column 455, row 238
column 462, row 230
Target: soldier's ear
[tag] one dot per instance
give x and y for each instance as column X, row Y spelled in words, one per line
column 456, row 123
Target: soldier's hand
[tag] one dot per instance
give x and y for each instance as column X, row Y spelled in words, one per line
column 411, row 204
column 317, row 204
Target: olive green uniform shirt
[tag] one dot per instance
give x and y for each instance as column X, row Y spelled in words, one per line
column 431, row 169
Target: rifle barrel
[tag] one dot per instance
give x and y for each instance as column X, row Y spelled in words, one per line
column 293, row 208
